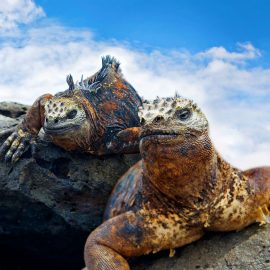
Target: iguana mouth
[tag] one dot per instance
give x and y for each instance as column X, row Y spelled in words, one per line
column 164, row 134
column 60, row 130
column 158, row 133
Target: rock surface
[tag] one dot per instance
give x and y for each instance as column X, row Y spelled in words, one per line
column 51, row 199
column 6, row 122
column 12, row 109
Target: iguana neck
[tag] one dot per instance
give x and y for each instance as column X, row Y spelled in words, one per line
column 185, row 172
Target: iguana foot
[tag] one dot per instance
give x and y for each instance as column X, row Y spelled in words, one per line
column 15, row 145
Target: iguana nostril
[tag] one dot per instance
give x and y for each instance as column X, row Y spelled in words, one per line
column 158, row 119
column 71, row 114
column 143, row 121
column 46, row 119
column 56, row 121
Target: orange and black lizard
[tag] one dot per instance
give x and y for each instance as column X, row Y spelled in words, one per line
column 99, row 115
column 181, row 189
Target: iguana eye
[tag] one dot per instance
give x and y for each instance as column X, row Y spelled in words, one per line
column 183, row 114
column 71, row 114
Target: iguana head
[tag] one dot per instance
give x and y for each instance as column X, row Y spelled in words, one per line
column 172, row 117
column 66, row 113
column 175, row 145
column 63, row 114
column 68, row 121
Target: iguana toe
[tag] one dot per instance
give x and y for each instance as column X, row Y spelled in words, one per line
column 15, row 145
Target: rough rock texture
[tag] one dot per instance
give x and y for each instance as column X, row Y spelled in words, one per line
column 10, row 114
column 7, row 122
column 12, row 109
column 51, row 199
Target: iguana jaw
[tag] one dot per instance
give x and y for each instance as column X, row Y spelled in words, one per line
column 61, row 130
column 163, row 133
column 166, row 134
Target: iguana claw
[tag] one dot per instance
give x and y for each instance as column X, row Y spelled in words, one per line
column 15, row 145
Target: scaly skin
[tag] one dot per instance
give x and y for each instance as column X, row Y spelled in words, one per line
column 98, row 116
column 178, row 191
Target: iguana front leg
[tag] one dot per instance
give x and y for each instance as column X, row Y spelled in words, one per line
column 125, row 141
column 249, row 202
column 17, row 143
column 134, row 234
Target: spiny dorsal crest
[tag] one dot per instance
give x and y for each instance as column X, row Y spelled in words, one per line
column 110, row 61
column 70, row 82
column 93, row 85
column 164, row 107
column 82, row 85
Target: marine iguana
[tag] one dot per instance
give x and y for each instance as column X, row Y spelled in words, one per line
column 179, row 190
column 99, row 115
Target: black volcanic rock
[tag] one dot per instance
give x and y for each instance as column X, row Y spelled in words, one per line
column 12, row 109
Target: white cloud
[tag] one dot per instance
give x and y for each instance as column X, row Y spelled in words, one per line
column 245, row 51
column 16, row 12
column 234, row 96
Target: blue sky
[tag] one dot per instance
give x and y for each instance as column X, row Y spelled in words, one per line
column 214, row 52
column 193, row 24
